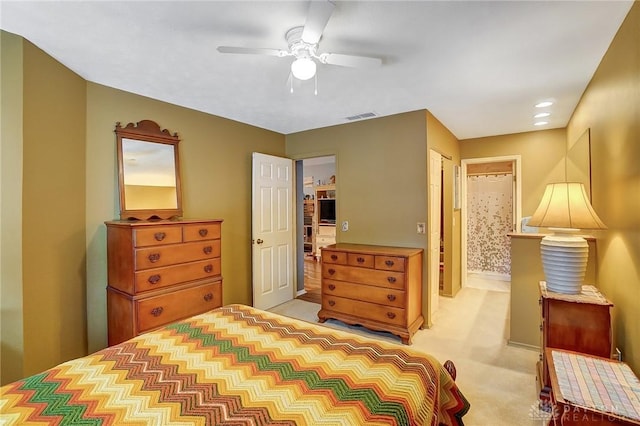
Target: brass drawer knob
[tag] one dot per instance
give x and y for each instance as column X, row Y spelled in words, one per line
column 331, row 271
column 332, row 303
column 360, row 260
column 207, row 250
column 334, row 257
column 332, row 287
column 391, row 315
column 391, row 279
column 156, row 312
column 208, row 268
column 154, row 279
column 203, row 232
column 159, row 236
column 153, row 257
column 208, row 297
column 389, row 263
column 391, row 297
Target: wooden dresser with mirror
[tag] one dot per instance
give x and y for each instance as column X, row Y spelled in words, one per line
column 160, row 268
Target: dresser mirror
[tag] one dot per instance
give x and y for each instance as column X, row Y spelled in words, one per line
column 148, row 172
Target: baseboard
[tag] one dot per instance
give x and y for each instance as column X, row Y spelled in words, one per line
column 523, row 345
column 490, row 275
column 301, row 292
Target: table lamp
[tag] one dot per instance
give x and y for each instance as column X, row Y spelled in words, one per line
column 565, row 209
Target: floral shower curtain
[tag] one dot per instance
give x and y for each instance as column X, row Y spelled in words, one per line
column 489, row 220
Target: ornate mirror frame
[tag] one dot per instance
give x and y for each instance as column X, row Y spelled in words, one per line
column 144, row 196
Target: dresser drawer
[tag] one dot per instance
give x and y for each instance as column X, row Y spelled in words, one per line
column 372, row 311
column 155, row 236
column 154, row 257
column 389, row 279
column 153, row 279
column 378, row 295
column 338, row 257
column 390, row 263
column 202, row 231
column 156, row 311
column 362, row 260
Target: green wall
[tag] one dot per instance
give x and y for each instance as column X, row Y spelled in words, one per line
column 11, row 318
column 67, row 152
column 43, row 304
column 543, row 157
column 610, row 108
column 59, row 165
column 381, row 178
column 215, row 165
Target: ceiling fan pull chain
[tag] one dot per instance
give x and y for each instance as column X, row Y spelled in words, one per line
column 316, row 82
column 291, row 82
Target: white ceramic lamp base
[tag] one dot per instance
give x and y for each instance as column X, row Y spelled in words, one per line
column 564, row 260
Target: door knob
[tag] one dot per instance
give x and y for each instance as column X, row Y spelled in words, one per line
column 260, row 241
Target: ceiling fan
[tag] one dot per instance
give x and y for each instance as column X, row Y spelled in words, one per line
column 303, row 45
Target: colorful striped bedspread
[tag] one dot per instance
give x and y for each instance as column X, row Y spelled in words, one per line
column 238, row 365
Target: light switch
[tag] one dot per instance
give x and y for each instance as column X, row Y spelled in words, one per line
column 345, row 226
column 422, row 228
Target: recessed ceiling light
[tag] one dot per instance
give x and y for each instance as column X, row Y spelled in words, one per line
column 544, row 104
column 540, row 123
column 542, row 115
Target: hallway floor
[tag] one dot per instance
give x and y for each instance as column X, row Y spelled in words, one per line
column 480, row 281
column 312, row 285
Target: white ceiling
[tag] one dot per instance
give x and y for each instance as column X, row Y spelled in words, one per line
column 478, row 66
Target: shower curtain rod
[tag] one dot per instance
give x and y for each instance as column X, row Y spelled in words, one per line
column 489, row 173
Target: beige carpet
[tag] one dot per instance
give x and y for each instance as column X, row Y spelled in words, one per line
column 472, row 330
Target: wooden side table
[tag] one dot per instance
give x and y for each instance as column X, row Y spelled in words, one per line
column 574, row 322
column 590, row 390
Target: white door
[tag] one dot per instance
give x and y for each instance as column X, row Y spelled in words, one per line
column 435, row 189
column 272, row 230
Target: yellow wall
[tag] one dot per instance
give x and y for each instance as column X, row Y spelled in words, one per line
column 215, row 165
column 610, row 108
column 11, row 318
column 381, row 178
column 543, row 159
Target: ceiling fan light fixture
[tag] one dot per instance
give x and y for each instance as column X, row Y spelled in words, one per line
column 303, row 68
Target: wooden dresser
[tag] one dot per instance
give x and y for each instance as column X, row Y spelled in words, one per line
column 573, row 322
column 160, row 272
column 375, row 286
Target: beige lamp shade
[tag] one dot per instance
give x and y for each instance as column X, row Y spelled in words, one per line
column 566, row 205
column 565, row 209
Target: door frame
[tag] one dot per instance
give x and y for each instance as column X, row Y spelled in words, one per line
column 298, row 203
column 517, row 202
column 434, row 221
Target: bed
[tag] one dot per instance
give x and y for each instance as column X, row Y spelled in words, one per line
column 238, row 365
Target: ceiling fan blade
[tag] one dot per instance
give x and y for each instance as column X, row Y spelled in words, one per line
column 253, row 51
column 317, row 17
column 350, row 60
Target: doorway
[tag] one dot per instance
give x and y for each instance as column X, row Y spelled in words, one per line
column 317, row 222
column 491, row 210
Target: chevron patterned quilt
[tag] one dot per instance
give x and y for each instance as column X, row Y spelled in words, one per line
column 237, row 365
